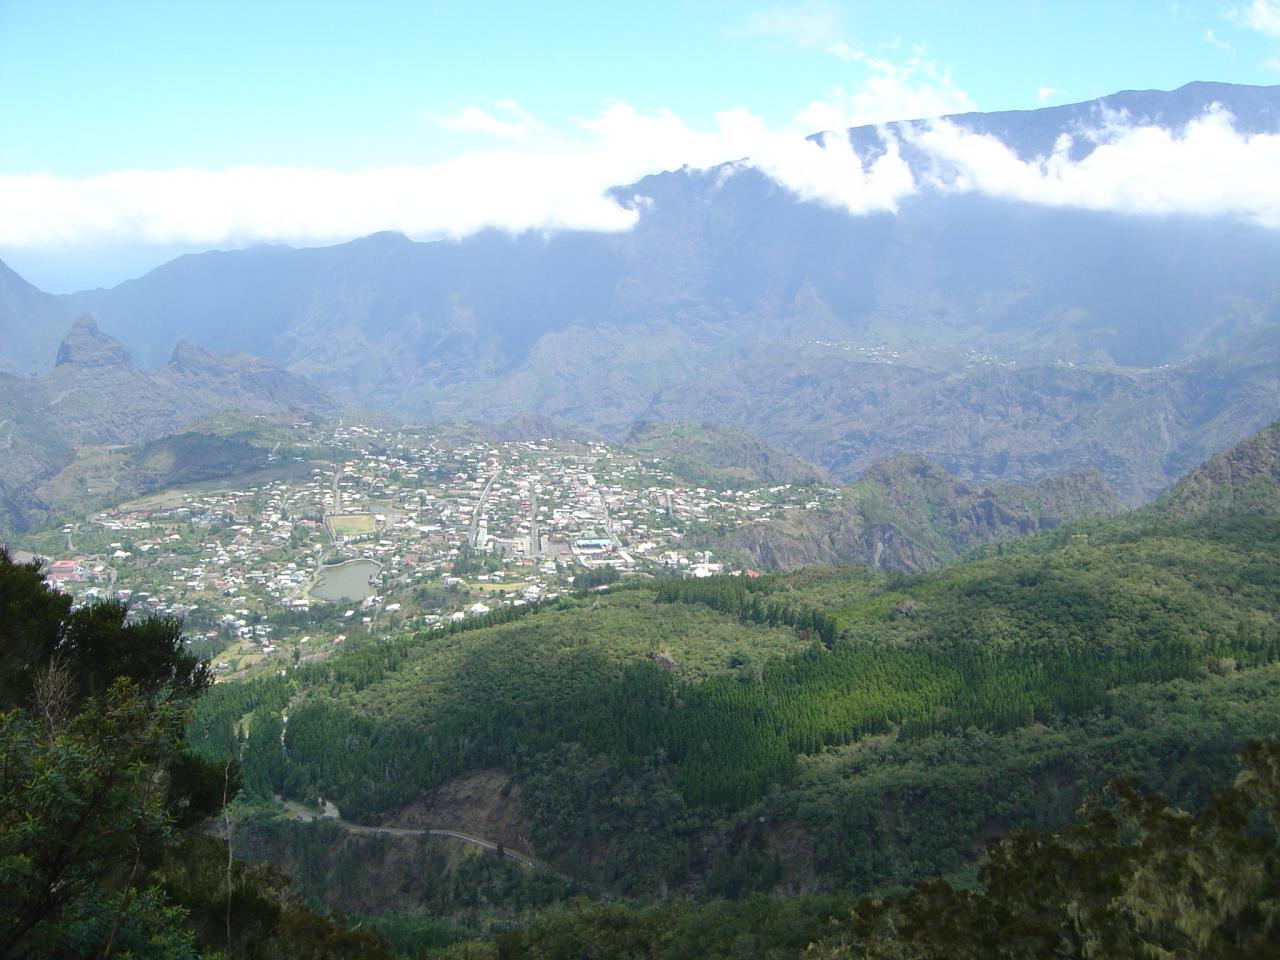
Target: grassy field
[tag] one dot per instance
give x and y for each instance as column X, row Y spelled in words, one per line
column 351, row 524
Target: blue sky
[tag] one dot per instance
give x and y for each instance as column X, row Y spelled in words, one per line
column 95, row 88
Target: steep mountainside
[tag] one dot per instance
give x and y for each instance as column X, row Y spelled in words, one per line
column 1245, row 478
column 31, row 324
column 95, row 395
column 711, row 455
column 31, row 448
column 1005, row 340
column 909, row 514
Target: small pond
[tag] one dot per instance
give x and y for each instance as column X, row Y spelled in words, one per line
column 346, row 581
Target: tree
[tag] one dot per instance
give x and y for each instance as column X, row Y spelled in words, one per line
column 1135, row 878
column 95, row 776
column 83, row 808
column 99, row 795
column 31, row 619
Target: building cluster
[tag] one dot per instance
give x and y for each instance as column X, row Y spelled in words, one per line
column 398, row 529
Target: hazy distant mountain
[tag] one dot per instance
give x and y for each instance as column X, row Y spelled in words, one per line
column 1142, row 429
column 31, row 324
column 1003, row 339
column 95, row 394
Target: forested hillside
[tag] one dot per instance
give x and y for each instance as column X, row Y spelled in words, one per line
column 1243, row 479
column 837, row 730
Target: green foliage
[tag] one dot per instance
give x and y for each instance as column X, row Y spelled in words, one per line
column 469, row 563
column 457, row 885
column 625, row 827
column 31, row 620
column 256, row 916
column 756, row 927
column 99, row 795
column 98, row 644
column 885, row 813
column 146, row 927
column 80, row 801
column 588, row 580
column 1136, row 877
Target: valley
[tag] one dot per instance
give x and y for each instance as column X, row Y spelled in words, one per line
column 567, row 529
column 870, row 730
column 353, row 529
column 308, row 535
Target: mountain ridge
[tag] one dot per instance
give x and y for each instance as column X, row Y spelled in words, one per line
column 32, row 323
column 96, row 395
column 998, row 338
column 1242, row 478
column 715, row 455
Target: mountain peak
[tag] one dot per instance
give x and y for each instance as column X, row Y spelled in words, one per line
column 87, row 346
column 187, row 355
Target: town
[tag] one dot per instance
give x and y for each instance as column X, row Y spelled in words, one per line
column 371, row 531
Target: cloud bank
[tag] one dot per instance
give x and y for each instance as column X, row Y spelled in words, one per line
column 543, row 181
column 547, row 181
column 1206, row 168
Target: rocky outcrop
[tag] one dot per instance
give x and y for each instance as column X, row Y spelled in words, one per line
column 95, row 394
column 85, row 347
column 909, row 514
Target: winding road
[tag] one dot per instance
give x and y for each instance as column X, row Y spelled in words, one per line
column 299, row 812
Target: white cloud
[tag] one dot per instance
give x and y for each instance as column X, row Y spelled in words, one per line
column 1214, row 40
column 559, row 180
column 1208, row 168
column 806, row 25
column 914, row 89
column 520, row 125
column 544, row 180
column 908, row 90
column 1045, row 94
column 1263, row 16
column 830, row 172
column 245, row 205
